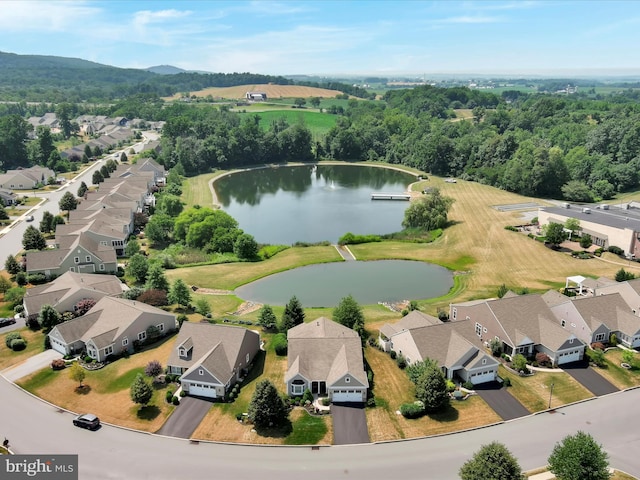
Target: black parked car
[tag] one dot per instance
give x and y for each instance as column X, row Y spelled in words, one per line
column 7, row 321
column 88, row 420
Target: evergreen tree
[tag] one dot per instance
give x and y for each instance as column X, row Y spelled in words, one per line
column 97, row 177
column 156, row 279
column 266, row 318
column 141, row 392
column 46, row 224
column 579, row 457
column 180, row 293
column 32, row 239
column 267, row 408
column 431, row 390
column 12, row 266
column 293, row 315
column 493, row 461
column 68, row 202
column 3, row 213
column 349, row 314
column 82, row 190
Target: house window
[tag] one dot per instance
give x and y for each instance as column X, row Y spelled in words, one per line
column 497, row 338
column 76, row 259
column 102, row 266
column 297, row 389
column 478, row 329
column 484, row 329
column 201, row 372
column 125, row 342
column 571, row 340
column 599, row 337
column 454, row 313
column 484, row 361
column 160, row 327
column 103, row 243
column 247, row 360
column 88, row 258
column 72, row 269
column 108, row 350
column 563, row 323
column 347, row 379
column 182, row 352
column 142, row 336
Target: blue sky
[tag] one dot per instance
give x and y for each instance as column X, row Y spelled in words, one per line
column 334, row 37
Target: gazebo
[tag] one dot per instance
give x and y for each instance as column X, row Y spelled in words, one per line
column 577, row 279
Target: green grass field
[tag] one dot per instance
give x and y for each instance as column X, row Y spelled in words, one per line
column 318, row 123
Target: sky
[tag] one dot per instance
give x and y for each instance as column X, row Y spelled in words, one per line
column 360, row 37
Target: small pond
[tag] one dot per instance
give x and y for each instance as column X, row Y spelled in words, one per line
column 368, row 282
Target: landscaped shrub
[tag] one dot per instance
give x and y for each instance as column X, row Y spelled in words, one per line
column 371, row 402
column 506, row 382
column 176, row 401
column 615, row 250
column 511, row 228
column 307, row 396
column 58, row 364
column 450, row 385
column 169, row 396
column 468, row 385
column 519, row 363
column 326, row 401
column 18, row 308
column 11, row 336
column 597, row 346
column 372, row 341
column 280, row 344
column 393, row 354
column 183, row 393
column 613, row 340
column 21, row 279
column 36, row 278
column 401, row 361
column 412, row 410
column 598, row 252
column 496, row 347
column 596, row 356
column 47, row 342
column 87, row 359
column 543, row 359
column 18, row 344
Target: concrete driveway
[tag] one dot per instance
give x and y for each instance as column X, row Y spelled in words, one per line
column 186, row 417
column 501, row 401
column 32, row 364
column 589, row 378
column 349, row 424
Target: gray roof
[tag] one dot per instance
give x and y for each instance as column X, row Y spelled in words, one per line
column 324, row 350
column 215, row 347
column 602, row 309
column 413, row 319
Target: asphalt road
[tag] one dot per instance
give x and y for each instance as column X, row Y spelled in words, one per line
column 115, row 453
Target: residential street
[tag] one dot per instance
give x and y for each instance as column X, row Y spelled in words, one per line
column 116, row 453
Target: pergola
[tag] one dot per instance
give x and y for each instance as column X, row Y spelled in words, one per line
column 577, row 279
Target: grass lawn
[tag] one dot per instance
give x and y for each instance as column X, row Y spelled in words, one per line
column 309, row 429
column 392, row 388
column 533, row 392
column 35, row 345
column 106, row 391
column 231, row 275
column 196, row 190
column 318, row 123
column 620, row 377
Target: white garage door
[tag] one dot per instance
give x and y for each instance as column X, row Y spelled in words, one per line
column 566, row 357
column 57, row 346
column 346, row 396
column 482, row 377
column 201, row 390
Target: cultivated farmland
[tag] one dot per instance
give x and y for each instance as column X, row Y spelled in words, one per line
column 272, row 91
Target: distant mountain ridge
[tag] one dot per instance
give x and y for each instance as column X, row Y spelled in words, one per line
column 165, row 70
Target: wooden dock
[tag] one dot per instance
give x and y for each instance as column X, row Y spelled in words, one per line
column 390, row 196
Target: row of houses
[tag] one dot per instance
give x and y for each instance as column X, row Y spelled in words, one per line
column 559, row 326
column 98, row 230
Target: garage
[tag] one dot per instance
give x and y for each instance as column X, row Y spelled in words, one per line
column 482, row 377
column 567, row 357
column 202, row 390
column 346, row 396
column 58, row 346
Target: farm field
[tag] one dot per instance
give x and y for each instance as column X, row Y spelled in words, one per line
column 272, row 91
column 318, row 123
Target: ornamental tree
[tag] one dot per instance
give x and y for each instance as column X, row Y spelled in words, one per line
column 153, row 368
column 267, row 319
column 492, row 461
column 32, row 239
column 141, row 392
column 579, row 457
column 431, row 390
column 77, row 373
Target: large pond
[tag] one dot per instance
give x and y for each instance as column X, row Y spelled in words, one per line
column 369, row 282
column 309, row 203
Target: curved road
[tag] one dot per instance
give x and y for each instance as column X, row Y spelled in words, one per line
column 114, row 453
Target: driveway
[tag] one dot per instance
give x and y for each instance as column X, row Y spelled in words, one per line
column 501, row 401
column 589, row 378
column 349, row 424
column 32, row 364
column 186, row 417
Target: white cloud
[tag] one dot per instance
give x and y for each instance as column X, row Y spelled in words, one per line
column 471, row 19
column 146, row 17
column 46, row 16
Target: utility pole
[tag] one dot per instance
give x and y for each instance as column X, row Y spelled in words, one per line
column 550, row 395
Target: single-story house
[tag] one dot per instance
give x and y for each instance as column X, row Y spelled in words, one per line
column 418, row 336
column 67, row 290
column 326, row 358
column 211, row 358
column 26, row 178
column 8, row 197
column 523, row 324
column 112, row 327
